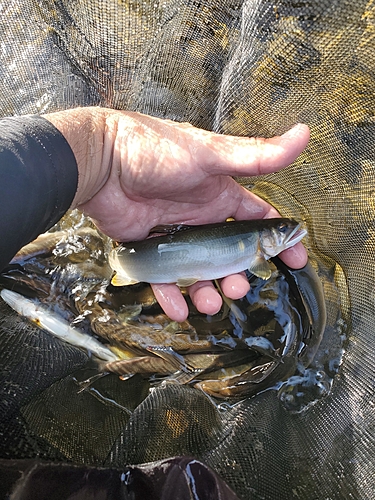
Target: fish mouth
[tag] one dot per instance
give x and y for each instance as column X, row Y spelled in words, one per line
column 295, row 236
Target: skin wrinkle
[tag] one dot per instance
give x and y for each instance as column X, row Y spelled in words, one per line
column 88, row 131
column 105, row 150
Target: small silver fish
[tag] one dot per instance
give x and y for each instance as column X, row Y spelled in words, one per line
column 51, row 322
column 195, row 253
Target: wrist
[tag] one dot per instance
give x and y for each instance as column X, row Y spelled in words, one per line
column 84, row 130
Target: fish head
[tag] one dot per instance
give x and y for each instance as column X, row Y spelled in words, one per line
column 280, row 234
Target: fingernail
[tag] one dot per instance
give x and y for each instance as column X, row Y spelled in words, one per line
column 297, row 130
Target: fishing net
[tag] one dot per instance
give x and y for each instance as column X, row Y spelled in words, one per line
column 249, row 68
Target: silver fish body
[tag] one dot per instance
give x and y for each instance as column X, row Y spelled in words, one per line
column 56, row 325
column 211, row 251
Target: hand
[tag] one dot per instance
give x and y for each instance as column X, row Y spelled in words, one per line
column 136, row 172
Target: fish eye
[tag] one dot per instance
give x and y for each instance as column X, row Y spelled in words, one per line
column 282, row 227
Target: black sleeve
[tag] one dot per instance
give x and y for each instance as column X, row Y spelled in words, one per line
column 38, row 181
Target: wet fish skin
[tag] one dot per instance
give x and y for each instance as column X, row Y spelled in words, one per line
column 54, row 324
column 247, row 383
column 106, row 323
column 141, row 364
column 206, row 252
column 309, row 293
column 192, row 364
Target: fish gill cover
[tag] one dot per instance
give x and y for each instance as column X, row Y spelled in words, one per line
column 235, row 67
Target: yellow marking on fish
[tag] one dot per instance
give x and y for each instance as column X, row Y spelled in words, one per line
column 183, row 282
column 122, row 353
column 241, row 246
column 120, row 280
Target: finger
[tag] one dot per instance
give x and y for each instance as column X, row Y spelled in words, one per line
column 295, row 256
column 205, row 297
column 171, row 301
column 235, row 286
column 241, row 156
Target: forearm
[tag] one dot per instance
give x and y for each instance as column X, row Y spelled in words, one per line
column 38, row 181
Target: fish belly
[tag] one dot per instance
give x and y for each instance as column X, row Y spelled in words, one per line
column 172, row 263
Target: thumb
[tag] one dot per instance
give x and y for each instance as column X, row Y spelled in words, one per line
column 242, row 156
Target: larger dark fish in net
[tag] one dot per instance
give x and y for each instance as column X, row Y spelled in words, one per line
column 195, row 253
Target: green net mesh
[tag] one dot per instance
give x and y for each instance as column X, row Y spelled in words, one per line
column 236, row 67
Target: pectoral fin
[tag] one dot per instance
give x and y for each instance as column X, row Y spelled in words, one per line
column 121, row 280
column 260, row 268
column 186, row 281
